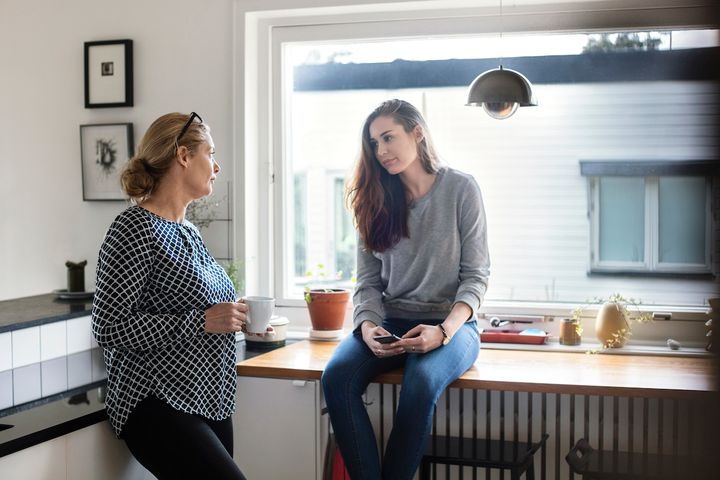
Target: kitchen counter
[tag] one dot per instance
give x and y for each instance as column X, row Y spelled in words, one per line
column 39, row 310
column 51, row 417
column 527, row 371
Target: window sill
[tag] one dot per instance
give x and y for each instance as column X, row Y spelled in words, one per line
column 636, row 348
column 593, row 347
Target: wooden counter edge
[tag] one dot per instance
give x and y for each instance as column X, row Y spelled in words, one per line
column 276, row 365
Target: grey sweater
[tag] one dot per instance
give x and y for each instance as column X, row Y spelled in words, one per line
column 444, row 261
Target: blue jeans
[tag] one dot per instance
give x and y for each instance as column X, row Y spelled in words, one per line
column 353, row 366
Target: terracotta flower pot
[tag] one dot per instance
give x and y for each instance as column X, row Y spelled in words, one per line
column 327, row 307
column 611, row 326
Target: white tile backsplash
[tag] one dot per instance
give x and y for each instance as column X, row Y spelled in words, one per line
column 5, row 351
column 25, row 346
column 53, row 340
column 79, row 335
column 26, row 384
column 6, row 389
column 47, row 359
column 79, row 369
column 54, row 376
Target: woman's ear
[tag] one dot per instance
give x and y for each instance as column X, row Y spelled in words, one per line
column 182, row 155
column 419, row 133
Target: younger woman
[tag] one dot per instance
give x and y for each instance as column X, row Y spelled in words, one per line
column 423, row 267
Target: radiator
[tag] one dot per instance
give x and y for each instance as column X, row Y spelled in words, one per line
column 620, row 424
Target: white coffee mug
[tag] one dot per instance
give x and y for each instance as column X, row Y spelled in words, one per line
column 260, row 309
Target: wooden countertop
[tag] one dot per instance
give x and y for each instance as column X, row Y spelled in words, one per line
column 522, row 371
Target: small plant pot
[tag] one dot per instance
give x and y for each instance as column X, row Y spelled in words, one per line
column 611, row 326
column 327, row 307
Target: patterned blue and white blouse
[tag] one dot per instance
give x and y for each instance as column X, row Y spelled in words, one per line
column 155, row 279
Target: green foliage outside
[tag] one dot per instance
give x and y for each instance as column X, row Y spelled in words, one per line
column 622, row 42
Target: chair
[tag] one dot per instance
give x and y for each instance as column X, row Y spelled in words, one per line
column 515, row 456
column 598, row 464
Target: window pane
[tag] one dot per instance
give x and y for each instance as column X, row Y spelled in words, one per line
column 300, row 193
column 682, row 220
column 345, row 240
column 622, row 219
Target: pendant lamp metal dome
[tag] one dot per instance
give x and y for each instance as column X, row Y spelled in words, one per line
column 500, row 92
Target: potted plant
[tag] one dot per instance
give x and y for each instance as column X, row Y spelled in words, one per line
column 614, row 319
column 326, row 304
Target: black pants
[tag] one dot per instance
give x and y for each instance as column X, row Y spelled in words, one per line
column 173, row 444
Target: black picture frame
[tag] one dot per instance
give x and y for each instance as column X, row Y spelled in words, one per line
column 105, row 148
column 109, row 73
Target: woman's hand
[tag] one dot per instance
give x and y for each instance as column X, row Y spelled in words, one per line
column 226, row 317
column 423, row 339
column 269, row 331
column 370, row 331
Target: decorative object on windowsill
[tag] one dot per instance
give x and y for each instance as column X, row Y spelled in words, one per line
column 714, row 315
column 501, row 91
column 570, row 332
column 614, row 318
column 327, row 307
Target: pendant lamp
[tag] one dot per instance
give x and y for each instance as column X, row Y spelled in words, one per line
column 501, row 91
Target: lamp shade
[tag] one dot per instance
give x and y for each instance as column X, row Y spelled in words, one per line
column 500, row 92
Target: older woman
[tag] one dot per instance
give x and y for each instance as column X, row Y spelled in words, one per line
column 165, row 312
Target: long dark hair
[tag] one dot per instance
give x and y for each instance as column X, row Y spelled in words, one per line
column 376, row 198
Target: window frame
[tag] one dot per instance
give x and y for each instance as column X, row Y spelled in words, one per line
column 651, row 265
column 260, row 112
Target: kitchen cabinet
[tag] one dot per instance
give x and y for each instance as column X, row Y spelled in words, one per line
column 279, row 429
column 86, row 454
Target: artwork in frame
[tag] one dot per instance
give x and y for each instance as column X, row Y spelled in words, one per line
column 109, row 74
column 104, row 151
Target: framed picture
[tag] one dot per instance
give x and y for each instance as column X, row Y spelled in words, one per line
column 109, row 74
column 104, row 151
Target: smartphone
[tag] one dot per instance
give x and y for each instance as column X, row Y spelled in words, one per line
column 387, row 338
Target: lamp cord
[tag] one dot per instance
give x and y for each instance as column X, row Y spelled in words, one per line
column 502, row 27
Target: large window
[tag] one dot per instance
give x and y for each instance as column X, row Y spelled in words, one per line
column 615, row 95
column 536, row 198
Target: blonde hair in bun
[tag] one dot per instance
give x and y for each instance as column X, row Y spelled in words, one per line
column 157, row 151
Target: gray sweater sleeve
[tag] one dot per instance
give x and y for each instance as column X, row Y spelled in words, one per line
column 367, row 299
column 474, row 256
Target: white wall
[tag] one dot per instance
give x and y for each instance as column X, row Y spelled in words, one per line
column 183, row 62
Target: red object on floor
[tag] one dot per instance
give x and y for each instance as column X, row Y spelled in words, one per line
column 339, row 472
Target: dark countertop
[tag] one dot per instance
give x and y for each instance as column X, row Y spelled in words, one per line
column 45, row 420
column 39, row 310
column 51, row 417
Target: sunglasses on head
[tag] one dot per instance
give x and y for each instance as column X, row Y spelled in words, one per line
column 184, row 130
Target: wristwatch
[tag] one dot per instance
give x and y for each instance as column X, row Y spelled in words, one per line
column 446, row 338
